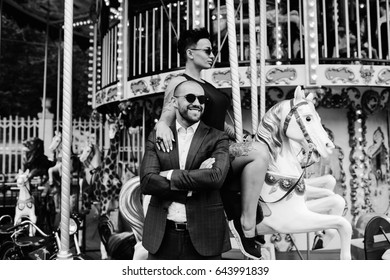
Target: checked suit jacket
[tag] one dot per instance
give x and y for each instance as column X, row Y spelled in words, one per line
column 206, row 220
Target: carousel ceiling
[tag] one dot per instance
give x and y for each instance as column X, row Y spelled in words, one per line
column 39, row 13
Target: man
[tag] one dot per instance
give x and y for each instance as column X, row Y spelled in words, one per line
column 249, row 160
column 185, row 218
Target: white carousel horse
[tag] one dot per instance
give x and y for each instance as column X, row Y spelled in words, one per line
column 283, row 194
column 56, row 170
column 25, row 207
column 285, row 208
column 91, row 158
column 56, row 147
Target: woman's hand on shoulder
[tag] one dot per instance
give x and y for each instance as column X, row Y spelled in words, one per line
column 164, row 137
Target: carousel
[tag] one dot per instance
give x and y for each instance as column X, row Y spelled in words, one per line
column 329, row 61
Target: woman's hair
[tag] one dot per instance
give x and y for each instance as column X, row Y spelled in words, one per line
column 189, row 38
column 269, row 130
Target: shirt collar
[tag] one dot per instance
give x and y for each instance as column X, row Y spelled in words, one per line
column 194, row 127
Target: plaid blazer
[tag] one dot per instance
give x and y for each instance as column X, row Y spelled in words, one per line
column 206, row 220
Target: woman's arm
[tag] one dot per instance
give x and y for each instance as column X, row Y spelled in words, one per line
column 168, row 116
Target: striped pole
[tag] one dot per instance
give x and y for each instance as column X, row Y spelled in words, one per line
column 231, row 25
column 253, row 65
column 64, row 253
column 263, row 54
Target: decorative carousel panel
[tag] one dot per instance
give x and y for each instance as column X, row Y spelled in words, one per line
column 367, row 74
column 106, row 95
column 379, row 177
column 139, row 87
column 383, row 77
column 281, row 75
column 343, row 74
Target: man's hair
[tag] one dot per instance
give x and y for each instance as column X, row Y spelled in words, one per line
column 189, row 38
column 184, row 82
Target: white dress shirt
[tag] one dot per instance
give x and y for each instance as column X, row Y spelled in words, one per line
column 177, row 211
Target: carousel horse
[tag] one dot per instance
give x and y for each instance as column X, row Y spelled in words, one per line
column 56, row 147
column 110, row 182
column 54, row 171
column 91, row 159
column 320, row 198
column 107, row 183
column 25, row 207
column 34, row 158
column 282, row 198
column 53, row 187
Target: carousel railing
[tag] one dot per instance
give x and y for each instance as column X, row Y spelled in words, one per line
column 152, row 34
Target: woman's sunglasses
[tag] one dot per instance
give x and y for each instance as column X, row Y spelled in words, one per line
column 207, row 51
column 191, row 98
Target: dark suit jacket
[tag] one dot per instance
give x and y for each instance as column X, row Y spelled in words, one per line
column 205, row 213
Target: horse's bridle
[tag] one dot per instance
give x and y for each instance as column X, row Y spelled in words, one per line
column 294, row 111
column 94, row 169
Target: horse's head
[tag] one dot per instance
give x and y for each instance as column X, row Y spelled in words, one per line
column 32, row 148
column 114, row 125
column 22, row 178
column 86, row 152
column 56, row 141
column 296, row 120
column 301, row 123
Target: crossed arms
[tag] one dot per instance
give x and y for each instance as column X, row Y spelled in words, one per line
column 182, row 181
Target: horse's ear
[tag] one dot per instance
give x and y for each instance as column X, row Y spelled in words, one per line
column 20, row 172
column 299, row 94
column 27, row 172
column 310, row 96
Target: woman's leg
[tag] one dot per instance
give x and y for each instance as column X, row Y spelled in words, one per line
column 251, row 163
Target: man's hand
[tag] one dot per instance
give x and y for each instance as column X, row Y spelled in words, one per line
column 207, row 164
column 164, row 137
column 164, row 173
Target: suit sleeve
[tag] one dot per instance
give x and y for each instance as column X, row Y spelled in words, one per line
column 151, row 182
column 205, row 179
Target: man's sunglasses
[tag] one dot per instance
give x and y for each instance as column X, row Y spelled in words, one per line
column 191, row 98
column 207, row 51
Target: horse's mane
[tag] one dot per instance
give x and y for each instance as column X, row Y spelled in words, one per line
column 95, row 150
column 35, row 159
column 130, row 207
column 269, row 130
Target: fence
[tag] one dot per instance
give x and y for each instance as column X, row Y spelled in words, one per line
column 14, row 130
column 12, row 133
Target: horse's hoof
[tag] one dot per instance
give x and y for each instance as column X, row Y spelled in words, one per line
column 318, row 243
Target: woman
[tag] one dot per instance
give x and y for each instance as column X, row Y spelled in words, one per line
column 250, row 159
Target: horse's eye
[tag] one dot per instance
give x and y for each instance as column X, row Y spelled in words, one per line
column 308, row 118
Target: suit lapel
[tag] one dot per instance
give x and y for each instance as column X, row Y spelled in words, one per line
column 197, row 140
column 175, row 152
